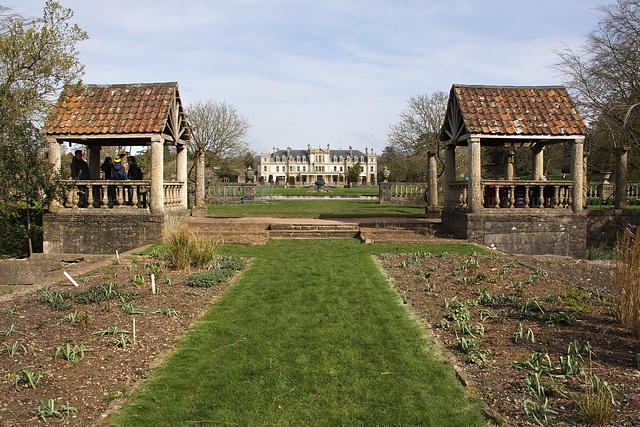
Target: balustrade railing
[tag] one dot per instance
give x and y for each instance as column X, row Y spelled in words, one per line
column 408, row 193
column 515, row 194
column 110, row 193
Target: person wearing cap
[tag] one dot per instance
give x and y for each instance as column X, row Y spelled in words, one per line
column 118, row 173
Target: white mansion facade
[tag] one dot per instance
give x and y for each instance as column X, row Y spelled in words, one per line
column 307, row 166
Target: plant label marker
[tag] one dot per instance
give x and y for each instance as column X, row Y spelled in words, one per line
column 118, row 256
column 134, row 331
column 153, row 284
column 70, row 279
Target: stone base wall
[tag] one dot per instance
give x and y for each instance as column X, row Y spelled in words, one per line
column 531, row 233
column 604, row 225
column 102, row 231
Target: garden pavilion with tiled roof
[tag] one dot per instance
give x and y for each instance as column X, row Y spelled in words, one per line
column 525, row 216
column 138, row 115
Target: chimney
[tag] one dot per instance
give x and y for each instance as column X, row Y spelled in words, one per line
column 350, row 151
column 366, row 151
column 328, row 150
column 288, row 151
column 274, row 151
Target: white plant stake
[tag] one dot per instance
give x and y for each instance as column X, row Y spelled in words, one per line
column 70, row 279
column 134, row 331
column 118, row 256
column 153, row 284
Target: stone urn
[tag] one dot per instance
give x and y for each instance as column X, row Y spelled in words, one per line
column 385, row 173
column 249, row 173
column 319, row 184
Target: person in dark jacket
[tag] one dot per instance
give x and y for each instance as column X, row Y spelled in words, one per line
column 106, row 169
column 118, row 173
column 134, row 173
column 80, row 170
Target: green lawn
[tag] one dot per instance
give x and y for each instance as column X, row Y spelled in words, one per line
column 315, row 207
column 279, row 191
column 311, row 334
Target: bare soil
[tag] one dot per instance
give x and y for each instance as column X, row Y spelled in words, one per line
column 107, row 372
column 551, row 286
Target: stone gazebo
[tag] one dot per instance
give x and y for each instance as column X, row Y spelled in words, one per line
column 124, row 115
column 530, row 216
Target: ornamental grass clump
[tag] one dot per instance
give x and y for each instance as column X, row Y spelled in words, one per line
column 627, row 279
column 185, row 249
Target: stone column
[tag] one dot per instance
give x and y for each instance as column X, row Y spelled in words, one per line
column 385, row 193
column 93, row 157
column 200, row 178
column 622, row 173
column 510, row 166
column 449, row 171
column 475, row 176
column 432, row 180
column 577, row 174
column 54, row 159
column 537, row 162
column 156, row 205
column 181, row 172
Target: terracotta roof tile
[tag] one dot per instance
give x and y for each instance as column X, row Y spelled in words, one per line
column 517, row 110
column 112, row 109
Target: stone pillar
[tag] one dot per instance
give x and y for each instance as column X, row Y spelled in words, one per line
column 54, row 160
column 385, row 193
column 475, row 176
column 181, row 172
column 449, row 171
column 622, row 173
column 93, row 157
column 200, row 178
column 537, row 162
column 510, row 166
column 577, row 174
column 432, row 179
column 156, row 205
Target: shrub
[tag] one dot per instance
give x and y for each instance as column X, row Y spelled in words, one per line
column 627, row 279
column 184, row 249
column 231, row 263
column 206, row 279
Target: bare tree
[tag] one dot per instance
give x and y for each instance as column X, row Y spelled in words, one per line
column 217, row 129
column 604, row 75
column 417, row 131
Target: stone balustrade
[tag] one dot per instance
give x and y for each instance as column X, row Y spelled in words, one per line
column 515, row 194
column 92, row 194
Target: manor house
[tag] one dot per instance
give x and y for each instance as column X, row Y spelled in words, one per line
column 308, row 166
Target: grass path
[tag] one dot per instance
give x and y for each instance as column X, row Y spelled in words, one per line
column 312, row 334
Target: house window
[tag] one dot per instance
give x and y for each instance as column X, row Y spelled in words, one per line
column 265, row 168
column 335, row 169
column 298, row 169
column 277, row 168
column 371, row 168
column 290, row 168
column 304, row 169
column 340, row 168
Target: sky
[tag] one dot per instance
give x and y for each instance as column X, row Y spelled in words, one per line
column 335, row 72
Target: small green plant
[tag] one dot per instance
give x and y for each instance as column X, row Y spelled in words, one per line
column 12, row 330
column 538, row 410
column 466, row 328
column 580, row 348
column 167, row 312
column 138, row 280
column 541, row 272
column 429, row 287
column 184, row 249
column 128, row 308
column 31, row 379
column 112, row 330
column 72, row 354
column 537, row 362
column 532, row 305
column 121, row 341
column 47, row 410
column 569, row 366
column 560, row 318
column 12, row 350
column 467, row 345
column 55, row 300
column 74, row 318
column 522, row 335
column 487, row 313
column 534, row 383
column 205, row 279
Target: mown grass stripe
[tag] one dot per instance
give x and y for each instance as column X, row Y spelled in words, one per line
column 312, row 334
